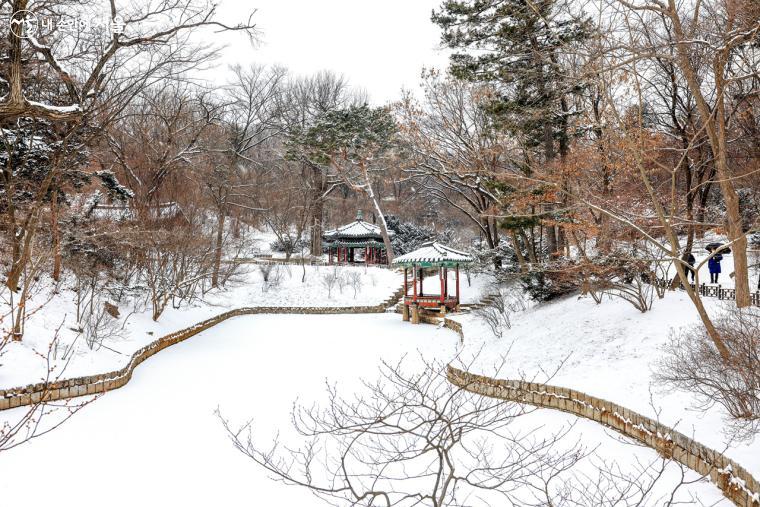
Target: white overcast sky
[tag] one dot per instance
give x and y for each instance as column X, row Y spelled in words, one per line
column 379, row 45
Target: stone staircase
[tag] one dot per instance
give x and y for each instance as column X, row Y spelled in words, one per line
column 484, row 301
column 463, row 308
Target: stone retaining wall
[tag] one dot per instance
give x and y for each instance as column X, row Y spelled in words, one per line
column 736, row 483
column 94, row 384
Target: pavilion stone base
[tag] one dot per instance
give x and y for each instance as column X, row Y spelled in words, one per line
column 405, row 312
column 415, row 314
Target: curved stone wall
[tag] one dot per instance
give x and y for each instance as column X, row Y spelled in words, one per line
column 94, row 384
column 736, row 483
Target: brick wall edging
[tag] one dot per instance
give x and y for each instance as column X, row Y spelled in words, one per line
column 42, row 392
column 736, row 483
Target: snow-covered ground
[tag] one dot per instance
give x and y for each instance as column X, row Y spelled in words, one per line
column 21, row 363
column 157, row 441
column 609, row 351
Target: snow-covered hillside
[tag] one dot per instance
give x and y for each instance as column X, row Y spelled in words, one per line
column 610, row 351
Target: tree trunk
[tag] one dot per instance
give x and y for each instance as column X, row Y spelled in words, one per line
column 381, row 217
column 218, row 248
column 518, row 252
column 56, row 234
column 317, row 214
column 714, row 119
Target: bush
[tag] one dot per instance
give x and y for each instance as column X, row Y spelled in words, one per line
column 548, row 285
column 288, row 245
column 693, row 364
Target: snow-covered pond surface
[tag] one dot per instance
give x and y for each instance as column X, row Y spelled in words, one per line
column 296, row 286
column 157, row 441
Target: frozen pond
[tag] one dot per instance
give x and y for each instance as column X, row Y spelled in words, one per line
column 157, row 441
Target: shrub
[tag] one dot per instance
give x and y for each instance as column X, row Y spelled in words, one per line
column 694, row 365
column 548, row 285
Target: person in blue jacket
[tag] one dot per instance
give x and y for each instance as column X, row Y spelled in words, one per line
column 714, row 265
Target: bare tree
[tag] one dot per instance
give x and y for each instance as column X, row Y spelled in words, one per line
column 454, row 151
column 416, row 439
column 695, row 366
column 95, row 75
column 719, row 33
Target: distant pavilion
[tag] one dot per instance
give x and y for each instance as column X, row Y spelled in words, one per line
column 428, row 259
column 358, row 242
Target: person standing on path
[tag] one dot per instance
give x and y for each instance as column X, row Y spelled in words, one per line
column 714, row 265
column 689, row 259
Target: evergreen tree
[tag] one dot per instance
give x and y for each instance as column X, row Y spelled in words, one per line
column 354, row 143
column 517, row 46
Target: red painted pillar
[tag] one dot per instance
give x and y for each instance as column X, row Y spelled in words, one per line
column 406, row 282
column 457, row 277
column 446, row 281
column 414, row 280
column 440, row 279
column 422, row 276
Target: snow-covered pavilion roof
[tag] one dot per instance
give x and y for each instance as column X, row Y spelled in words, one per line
column 356, row 229
column 433, row 254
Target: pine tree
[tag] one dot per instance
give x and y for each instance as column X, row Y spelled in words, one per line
column 353, row 142
column 517, row 47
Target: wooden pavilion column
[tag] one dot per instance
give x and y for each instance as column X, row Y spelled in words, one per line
column 406, row 282
column 443, row 289
column 422, row 280
column 414, row 280
column 457, row 278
